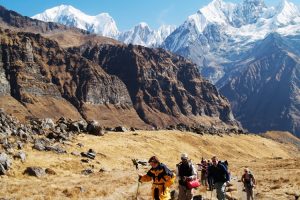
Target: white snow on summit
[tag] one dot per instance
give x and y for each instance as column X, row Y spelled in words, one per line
column 221, row 32
column 102, row 24
column 143, row 35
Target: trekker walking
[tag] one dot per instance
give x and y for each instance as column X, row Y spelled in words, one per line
column 162, row 178
column 209, row 179
column 249, row 183
column 185, row 172
column 204, row 172
column 220, row 176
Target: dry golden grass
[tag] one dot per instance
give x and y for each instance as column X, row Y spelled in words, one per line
column 276, row 177
column 283, row 137
column 14, row 107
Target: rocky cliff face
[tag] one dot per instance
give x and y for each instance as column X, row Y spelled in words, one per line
column 264, row 89
column 134, row 86
column 51, row 82
column 165, row 89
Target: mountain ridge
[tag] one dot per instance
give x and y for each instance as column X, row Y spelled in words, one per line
column 93, row 92
column 103, row 24
column 264, row 89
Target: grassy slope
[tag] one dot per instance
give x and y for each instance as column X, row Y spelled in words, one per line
column 283, row 137
column 275, row 165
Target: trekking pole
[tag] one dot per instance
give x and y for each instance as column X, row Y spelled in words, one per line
column 134, row 161
column 137, row 191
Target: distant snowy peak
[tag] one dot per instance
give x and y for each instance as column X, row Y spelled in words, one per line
column 163, row 32
column 220, row 33
column 287, row 12
column 216, row 12
column 230, row 14
column 249, row 13
column 143, row 35
column 102, row 24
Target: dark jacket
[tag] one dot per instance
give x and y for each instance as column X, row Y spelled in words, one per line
column 186, row 170
column 218, row 173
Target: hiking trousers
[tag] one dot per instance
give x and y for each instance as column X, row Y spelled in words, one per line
column 160, row 192
column 249, row 193
column 221, row 190
column 185, row 193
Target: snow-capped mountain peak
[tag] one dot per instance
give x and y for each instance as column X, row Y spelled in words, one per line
column 287, row 12
column 102, row 24
column 142, row 34
column 213, row 12
column 143, row 25
column 221, row 32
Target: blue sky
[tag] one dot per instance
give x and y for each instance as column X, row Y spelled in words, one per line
column 126, row 13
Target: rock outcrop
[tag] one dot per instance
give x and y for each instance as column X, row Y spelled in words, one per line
column 165, row 89
column 51, row 82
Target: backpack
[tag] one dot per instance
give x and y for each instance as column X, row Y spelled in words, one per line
column 248, row 182
column 225, row 165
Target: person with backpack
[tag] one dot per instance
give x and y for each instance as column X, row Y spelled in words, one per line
column 249, row 183
column 220, row 176
column 162, row 178
column 185, row 172
column 204, row 168
column 209, row 179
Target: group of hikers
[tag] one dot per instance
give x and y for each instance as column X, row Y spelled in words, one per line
column 214, row 175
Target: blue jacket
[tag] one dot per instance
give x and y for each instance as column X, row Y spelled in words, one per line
column 218, row 173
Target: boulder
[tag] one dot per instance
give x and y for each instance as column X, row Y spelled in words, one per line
column 63, row 127
column 59, row 136
column 20, row 145
column 85, row 160
column 132, row 129
column 47, row 124
column 8, row 146
column 102, row 170
column 109, row 129
column 39, row 145
column 75, row 153
column 50, row 171
column 3, row 171
column 56, row 148
column 80, row 145
column 92, row 125
column 78, row 126
column 87, row 171
column 120, row 129
column 35, row 171
column 90, row 154
column 94, row 128
column 20, row 155
column 5, row 161
column 182, row 127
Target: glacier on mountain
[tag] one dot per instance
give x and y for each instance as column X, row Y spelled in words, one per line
column 143, row 35
column 221, row 33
